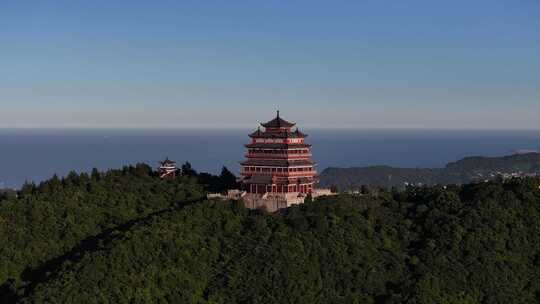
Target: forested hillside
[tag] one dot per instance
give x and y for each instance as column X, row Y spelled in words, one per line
column 125, row 236
column 466, row 170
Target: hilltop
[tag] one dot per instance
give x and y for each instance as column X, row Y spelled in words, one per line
column 126, row 236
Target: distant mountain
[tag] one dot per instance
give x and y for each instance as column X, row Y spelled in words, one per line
column 463, row 171
column 529, row 162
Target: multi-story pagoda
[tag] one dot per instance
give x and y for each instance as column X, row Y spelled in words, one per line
column 278, row 162
column 167, row 169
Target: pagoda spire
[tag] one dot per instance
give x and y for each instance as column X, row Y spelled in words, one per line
column 278, row 122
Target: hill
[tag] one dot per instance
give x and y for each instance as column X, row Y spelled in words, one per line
column 464, row 171
column 125, row 236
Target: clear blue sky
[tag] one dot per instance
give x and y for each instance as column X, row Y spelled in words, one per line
column 365, row 64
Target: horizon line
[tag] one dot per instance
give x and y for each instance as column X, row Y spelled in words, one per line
column 311, row 127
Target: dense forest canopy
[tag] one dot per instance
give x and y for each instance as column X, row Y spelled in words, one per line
column 126, row 236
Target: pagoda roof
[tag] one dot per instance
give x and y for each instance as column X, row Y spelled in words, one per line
column 257, row 133
column 277, row 146
column 278, row 122
column 167, row 161
column 297, row 133
column 277, row 162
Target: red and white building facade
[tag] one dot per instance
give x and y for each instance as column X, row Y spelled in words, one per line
column 278, row 161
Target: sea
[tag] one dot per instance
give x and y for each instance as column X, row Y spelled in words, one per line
column 33, row 155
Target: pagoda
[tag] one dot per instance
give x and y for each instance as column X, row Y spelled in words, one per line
column 167, row 169
column 278, row 163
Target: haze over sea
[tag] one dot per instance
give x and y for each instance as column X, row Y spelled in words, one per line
column 35, row 155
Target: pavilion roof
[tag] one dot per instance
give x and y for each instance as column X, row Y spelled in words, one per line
column 278, row 122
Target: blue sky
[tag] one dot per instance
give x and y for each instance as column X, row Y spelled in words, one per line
column 353, row 64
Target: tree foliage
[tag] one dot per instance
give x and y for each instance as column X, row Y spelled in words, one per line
column 125, row 236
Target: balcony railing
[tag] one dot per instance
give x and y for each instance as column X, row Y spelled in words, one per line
column 277, row 155
column 280, row 174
